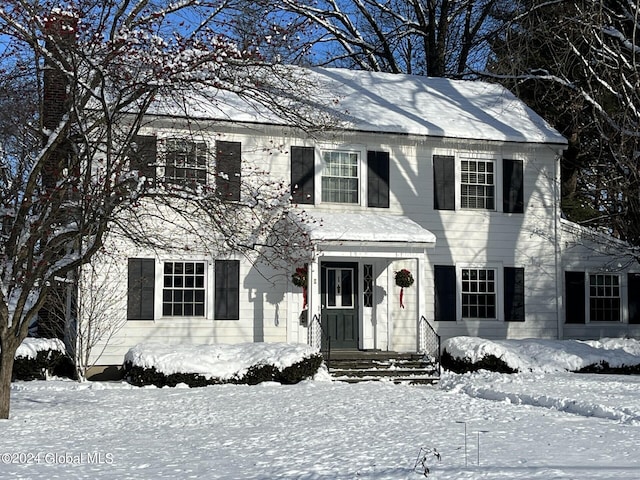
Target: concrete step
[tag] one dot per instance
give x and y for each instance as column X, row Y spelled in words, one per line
column 381, row 364
column 411, row 380
column 357, row 366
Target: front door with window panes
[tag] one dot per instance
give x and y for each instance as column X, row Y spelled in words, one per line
column 339, row 304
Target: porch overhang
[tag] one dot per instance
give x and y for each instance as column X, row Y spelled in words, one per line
column 342, row 238
column 368, row 234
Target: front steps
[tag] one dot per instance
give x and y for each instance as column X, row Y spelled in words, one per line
column 360, row 366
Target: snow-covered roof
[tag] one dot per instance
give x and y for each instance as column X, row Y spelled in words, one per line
column 396, row 103
column 363, row 227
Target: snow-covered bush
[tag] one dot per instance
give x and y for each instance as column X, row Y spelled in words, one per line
column 36, row 358
column 608, row 355
column 465, row 364
column 200, row 365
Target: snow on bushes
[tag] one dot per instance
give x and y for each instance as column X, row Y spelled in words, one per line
column 200, row 365
column 609, row 355
column 36, row 358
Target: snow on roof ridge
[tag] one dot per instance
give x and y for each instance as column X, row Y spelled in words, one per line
column 397, row 103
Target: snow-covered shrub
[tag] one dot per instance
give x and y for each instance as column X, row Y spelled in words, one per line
column 604, row 367
column 200, row 365
column 607, row 355
column 305, row 368
column 464, row 365
column 36, row 358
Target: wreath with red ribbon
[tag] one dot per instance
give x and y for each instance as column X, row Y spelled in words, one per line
column 299, row 279
column 404, row 279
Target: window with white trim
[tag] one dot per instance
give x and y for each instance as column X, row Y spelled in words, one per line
column 183, row 293
column 340, row 176
column 604, row 297
column 477, row 184
column 185, row 161
column 478, row 293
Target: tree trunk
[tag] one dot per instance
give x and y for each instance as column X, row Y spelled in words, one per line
column 7, row 357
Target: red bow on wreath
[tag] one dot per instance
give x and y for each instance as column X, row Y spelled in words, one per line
column 404, row 279
column 299, row 279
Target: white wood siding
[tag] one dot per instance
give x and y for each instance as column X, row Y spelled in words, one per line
column 269, row 309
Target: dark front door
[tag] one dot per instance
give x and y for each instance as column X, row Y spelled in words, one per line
column 339, row 304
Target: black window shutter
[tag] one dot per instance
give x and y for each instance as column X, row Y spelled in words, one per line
column 444, row 182
column 141, row 288
column 228, row 167
column 378, row 179
column 575, row 297
column 302, row 175
column 512, row 186
column 227, row 290
column 514, row 294
column 445, row 293
column 634, row 297
column 143, row 156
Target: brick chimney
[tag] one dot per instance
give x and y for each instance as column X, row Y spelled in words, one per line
column 60, row 29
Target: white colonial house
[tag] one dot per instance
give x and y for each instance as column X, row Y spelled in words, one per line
column 455, row 181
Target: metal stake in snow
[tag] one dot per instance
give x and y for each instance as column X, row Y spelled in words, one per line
column 423, row 456
column 479, row 432
column 465, row 441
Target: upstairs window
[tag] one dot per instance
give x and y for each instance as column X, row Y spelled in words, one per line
column 186, row 161
column 477, row 184
column 340, row 176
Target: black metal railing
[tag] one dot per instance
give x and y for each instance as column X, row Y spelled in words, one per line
column 429, row 341
column 316, row 335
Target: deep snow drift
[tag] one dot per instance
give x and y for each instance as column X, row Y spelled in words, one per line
column 535, row 425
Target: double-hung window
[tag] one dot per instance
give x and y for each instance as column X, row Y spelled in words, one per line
column 340, row 176
column 185, row 161
column 604, row 298
column 183, row 293
column 477, row 184
column 473, row 183
column 595, row 297
column 478, row 293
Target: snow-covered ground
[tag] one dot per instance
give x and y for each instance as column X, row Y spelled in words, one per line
column 535, row 425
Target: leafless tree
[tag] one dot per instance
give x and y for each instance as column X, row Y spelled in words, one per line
column 67, row 170
column 576, row 63
column 438, row 38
